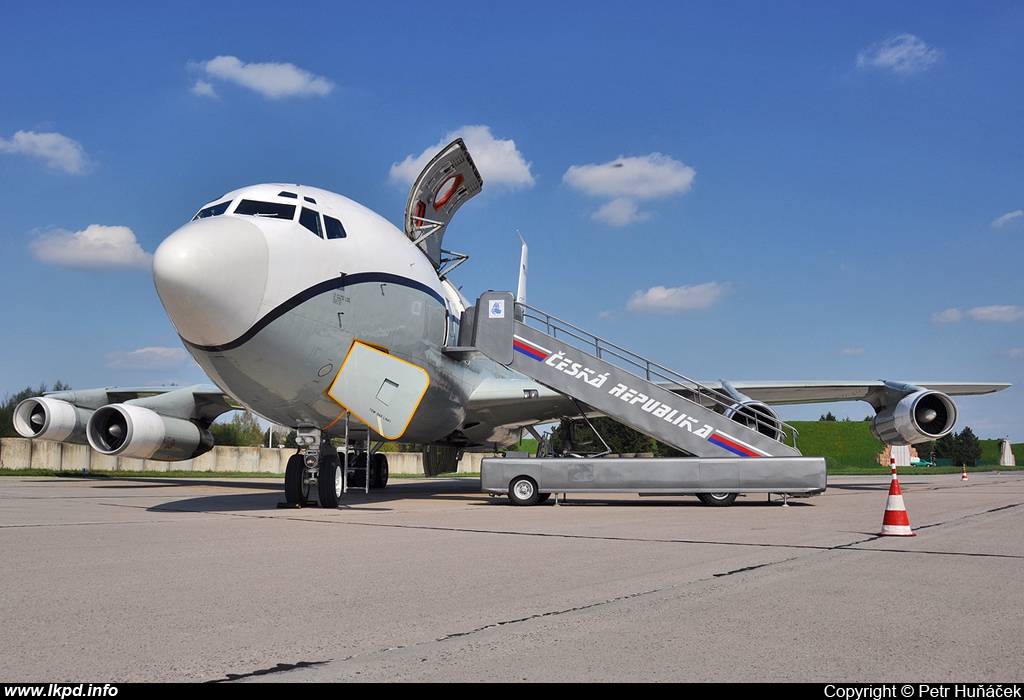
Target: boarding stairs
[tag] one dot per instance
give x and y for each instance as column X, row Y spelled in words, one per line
column 674, row 409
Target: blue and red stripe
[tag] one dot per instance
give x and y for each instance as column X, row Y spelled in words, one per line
column 529, row 350
column 732, row 445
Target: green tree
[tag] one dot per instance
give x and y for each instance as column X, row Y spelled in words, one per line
column 621, row 438
column 968, row 448
column 241, row 431
column 963, row 448
column 828, row 416
column 925, row 450
column 11, row 402
column 945, row 447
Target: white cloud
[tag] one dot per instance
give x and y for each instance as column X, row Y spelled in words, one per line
column 1015, row 353
column 498, row 160
column 997, row 314
column 904, row 55
column 620, row 212
column 947, row 316
column 1006, row 218
column 642, row 177
column 627, row 180
column 59, row 152
column 272, row 80
column 204, row 89
column 989, row 314
column 852, row 351
column 97, row 247
column 669, row 299
column 148, row 358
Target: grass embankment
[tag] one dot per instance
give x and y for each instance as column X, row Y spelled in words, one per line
column 849, row 448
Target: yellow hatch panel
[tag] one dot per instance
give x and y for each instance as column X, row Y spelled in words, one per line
column 379, row 389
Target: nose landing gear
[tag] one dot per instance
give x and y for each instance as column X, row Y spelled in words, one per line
column 319, row 471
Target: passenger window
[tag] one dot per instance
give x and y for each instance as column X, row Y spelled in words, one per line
column 270, row 210
column 214, row 210
column 334, row 227
column 311, row 220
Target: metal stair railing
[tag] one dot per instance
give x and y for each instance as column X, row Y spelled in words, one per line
column 675, row 382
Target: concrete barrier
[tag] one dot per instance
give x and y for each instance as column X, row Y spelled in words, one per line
column 20, row 453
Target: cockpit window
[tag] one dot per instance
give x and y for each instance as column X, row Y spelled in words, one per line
column 309, row 199
column 289, row 195
column 334, row 227
column 270, row 210
column 311, row 220
column 213, row 210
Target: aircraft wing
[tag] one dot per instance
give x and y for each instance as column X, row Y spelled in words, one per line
column 165, row 423
column 498, row 406
column 210, row 401
column 778, row 393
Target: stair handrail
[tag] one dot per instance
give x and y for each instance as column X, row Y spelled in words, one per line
column 553, row 325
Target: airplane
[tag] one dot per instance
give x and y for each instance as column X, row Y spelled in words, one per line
column 316, row 313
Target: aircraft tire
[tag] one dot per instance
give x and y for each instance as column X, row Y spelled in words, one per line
column 717, row 500
column 379, row 478
column 296, row 488
column 522, row 491
column 329, row 481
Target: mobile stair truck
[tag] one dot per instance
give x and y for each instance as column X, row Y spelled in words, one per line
column 736, row 444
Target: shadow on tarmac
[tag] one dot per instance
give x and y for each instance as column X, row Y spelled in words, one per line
column 251, row 495
column 272, row 496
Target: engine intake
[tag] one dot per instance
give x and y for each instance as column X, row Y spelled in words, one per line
column 44, row 418
column 757, row 416
column 125, row 430
column 918, row 417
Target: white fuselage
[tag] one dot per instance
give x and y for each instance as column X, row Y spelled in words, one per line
column 268, row 302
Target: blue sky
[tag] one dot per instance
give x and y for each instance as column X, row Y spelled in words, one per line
column 737, row 190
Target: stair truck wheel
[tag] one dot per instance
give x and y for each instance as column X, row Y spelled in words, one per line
column 717, row 499
column 522, row 491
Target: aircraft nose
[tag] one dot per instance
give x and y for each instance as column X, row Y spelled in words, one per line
column 211, row 275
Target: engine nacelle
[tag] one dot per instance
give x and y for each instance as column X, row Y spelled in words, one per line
column 757, row 416
column 125, row 430
column 918, row 417
column 44, row 418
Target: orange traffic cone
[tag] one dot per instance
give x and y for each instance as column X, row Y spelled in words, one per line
column 896, row 523
column 964, row 477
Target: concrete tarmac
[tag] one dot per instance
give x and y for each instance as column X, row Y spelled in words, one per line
column 134, row 579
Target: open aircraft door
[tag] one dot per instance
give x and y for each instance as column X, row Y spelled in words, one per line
column 448, row 182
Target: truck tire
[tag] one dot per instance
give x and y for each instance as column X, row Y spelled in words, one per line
column 522, row 491
column 717, row 499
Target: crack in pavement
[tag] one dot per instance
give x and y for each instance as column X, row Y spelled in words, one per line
column 802, row 552
column 279, row 668
column 854, row 545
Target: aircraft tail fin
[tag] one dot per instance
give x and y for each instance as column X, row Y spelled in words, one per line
column 521, row 289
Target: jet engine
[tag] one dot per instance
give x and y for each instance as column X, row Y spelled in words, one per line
column 126, row 430
column 757, row 416
column 45, row 418
column 918, row 417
